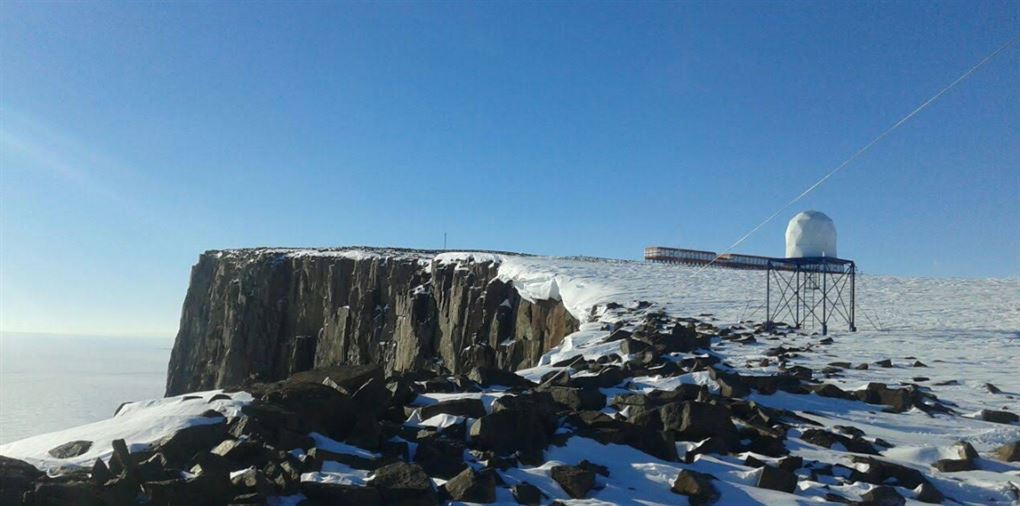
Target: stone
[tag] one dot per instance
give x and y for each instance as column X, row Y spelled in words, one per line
column 790, row 463
column 954, row 465
column 884, row 363
column 472, row 486
column 898, row 399
column 966, row 450
column 403, row 484
column 695, row 421
column 830, row 390
column 70, row 449
column 882, row 496
column 696, row 486
column 992, row 388
column 774, row 478
column 471, row 408
column 576, row 482
column 991, row 415
column 341, row 494
column 491, row 376
column 16, row 477
column 60, row 493
column 927, row 493
column 1009, row 452
column 182, row 445
column 577, row 399
column 526, row 493
column 879, row 472
column 827, row 439
column 440, row 457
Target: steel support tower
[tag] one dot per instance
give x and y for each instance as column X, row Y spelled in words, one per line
column 810, row 292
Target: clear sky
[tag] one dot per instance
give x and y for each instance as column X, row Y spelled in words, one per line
column 136, row 135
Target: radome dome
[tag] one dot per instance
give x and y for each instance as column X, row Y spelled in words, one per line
column 810, row 234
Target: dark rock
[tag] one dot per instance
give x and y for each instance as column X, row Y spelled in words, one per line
column 576, row 482
column 100, row 474
column 440, row 457
column 696, row 486
column 341, row 495
column 954, row 465
column 577, row 399
column 253, row 481
column 791, row 463
column 918, row 363
column 927, row 493
column 404, row 485
column 471, row 486
column 830, row 390
column 992, row 388
column 595, row 468
column 372, row 396
column 472, row 408
column 884, row 363
column 311, row 406
column 694, row 421
column 777, row 479
column 966, row 450
column 70, row 449
column 490, row 376
column 991, row 415
column 182, row 445
column 526, row 493
column 63, row 493
column 898, row 399
column 882, row 496
column 880, row 471
column 16, row 477
column 828, row 439
column 1009, row 452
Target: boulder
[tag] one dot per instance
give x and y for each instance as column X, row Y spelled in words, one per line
column 182, row 445
column 403, row 484
column 526, row 493
column 774, row 478
column 62, row 493
column 440, row 457
column 991, row 415
column 16, row 477
column 491, row 376
column 694, row 421
column 966, row 450
column 70, row 449
column 827, row 439
column 471, row 408
column 341, row 494
column 1009, row 452
column 882, row 496
column 577, row 399
column 879, row 472
column 954, row 465
column 576, row 482
column 927, row 493
column 472, row 486
column 696, row 486
column 346, row 378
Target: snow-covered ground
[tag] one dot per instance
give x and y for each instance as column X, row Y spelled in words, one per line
column 962, row 329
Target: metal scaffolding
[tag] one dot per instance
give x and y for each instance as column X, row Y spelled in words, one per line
column 810, row 292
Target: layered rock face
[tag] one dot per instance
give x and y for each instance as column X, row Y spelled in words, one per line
column 264, row 314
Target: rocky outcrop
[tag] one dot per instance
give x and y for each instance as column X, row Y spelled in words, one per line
column 262, row 315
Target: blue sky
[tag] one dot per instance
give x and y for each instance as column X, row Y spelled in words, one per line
column 136, row 135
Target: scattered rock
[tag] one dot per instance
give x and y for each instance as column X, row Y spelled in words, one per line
column 777, row 479
column 1009, row 452
column 576, row 482
column 927, row 493
column 404, row 484
column 471, row 486
column 16, row 477
column 884, row 363
column 70, row 449
column 696, row 486
column 954, row 465
column 882, row 496
column 472, row 408
column 526, row 493
column 992, row 388
column 991, row 415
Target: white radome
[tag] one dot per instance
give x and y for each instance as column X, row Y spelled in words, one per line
column 811, row 234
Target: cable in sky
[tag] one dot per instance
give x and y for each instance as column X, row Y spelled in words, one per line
column 869, row 145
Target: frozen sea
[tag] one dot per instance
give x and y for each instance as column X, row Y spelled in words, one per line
column 50, row 383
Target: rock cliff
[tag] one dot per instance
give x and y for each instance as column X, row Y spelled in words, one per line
column 264, row 314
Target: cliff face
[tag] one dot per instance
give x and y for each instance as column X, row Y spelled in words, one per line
column 265, row 314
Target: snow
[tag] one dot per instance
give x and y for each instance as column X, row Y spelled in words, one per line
column 138, row 423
